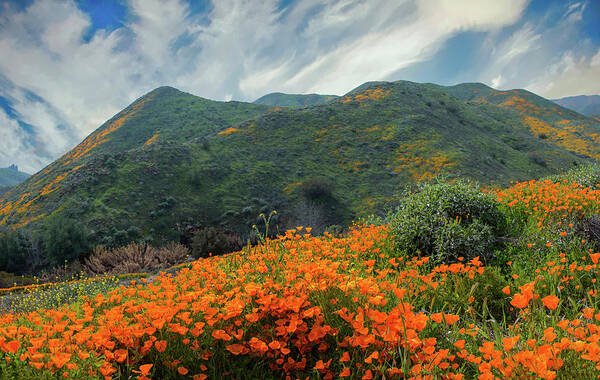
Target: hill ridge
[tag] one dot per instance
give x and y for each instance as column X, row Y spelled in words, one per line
column 293, row 100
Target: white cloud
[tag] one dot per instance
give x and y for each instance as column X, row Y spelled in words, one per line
column 595, row 61
column 391, row 46
column 502, row 56
column 549, row 59
column 574, row 12
column 241, row 50
column 497, row 81
column 521, row 42
column 571, row 76
column 14, row 146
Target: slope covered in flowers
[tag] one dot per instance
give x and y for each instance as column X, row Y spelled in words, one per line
column 325, row 307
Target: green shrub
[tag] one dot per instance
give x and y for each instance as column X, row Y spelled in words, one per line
column 209, row 241
column 537, row 159
column 454, row 239
column 64, row 239
column 589, row 228
column 13, row 253
column 586, row 176
column 448, row 221
column 335, row 230
column 316, row 189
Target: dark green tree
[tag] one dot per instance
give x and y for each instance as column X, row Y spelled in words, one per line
column 13, row 257
column 64, row 240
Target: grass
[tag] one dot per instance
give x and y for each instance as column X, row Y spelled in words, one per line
column 351, row 306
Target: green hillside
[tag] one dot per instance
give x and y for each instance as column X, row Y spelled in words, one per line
column 11, row 176
column 172, row 159
column 278, row 99
column 545, row 119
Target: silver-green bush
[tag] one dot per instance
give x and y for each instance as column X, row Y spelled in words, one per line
column 448, row 221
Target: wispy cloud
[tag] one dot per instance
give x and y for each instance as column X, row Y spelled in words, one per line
column 550, row 57
column 574, row 12
column 572, row 75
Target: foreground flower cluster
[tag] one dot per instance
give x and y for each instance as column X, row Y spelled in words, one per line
column 328, row 307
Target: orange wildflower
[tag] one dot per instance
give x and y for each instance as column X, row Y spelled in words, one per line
column 520, row 300
column 160, row 345
column 144, row 369
column 182, row 371
column 551, row 302
column 235, row 349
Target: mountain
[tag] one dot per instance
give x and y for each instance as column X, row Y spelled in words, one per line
column 588, row 105
column 172, row 159
column 11, row 176
column 293, row 100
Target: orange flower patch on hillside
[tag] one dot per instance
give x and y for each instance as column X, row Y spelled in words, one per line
column 228, row 131
column 264, row 305
column 421, row 160
column 522, row 105
column 288, row 189
column 370, row 94
column 25, row 204
column 53, row 185
column 151, row 140
column 550, row 200
column 26, row 220
column 479, row 100
column 101, row 135
column 568, row 136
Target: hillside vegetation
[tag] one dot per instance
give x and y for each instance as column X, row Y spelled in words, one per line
column 293, row 100
column 361, row 305
column 172, row 162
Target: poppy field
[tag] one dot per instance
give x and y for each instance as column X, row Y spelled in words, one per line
column 350, row 306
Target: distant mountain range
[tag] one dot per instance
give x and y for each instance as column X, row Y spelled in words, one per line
column 588, row 105
column 172, row 159
column 11, row 176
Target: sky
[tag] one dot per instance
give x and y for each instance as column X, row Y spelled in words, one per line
column 66, row 66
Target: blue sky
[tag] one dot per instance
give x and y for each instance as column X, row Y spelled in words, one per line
column 66, row 66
